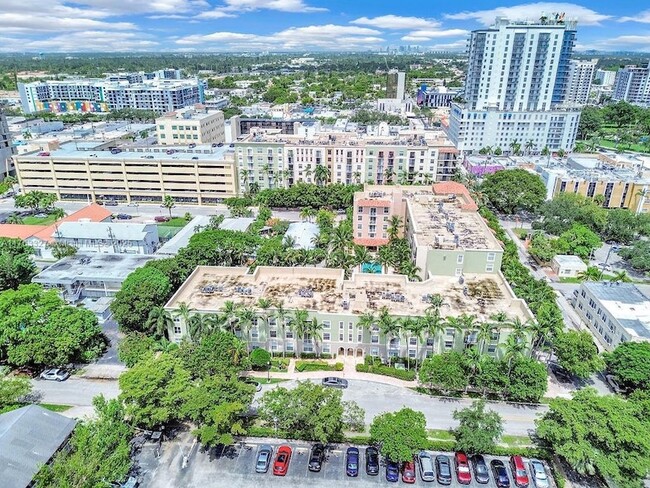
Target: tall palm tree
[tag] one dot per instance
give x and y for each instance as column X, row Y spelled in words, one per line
column 512, row 350
column 315, row 332
column 362, row 255
column 417, row 328
column 159, row 321
column 57, row 213
column 281, row 315
column 184, row 312
column 229, row 310
column 621, row 276
column 389, row 326
column 357, row 177
column 246, row 318
column 264, row 304
column 199, row 326
column 321, row 174
column 485, row 331
column 592, row 273
column 435, row 302
column 434, row 325
column 529, row 146
column 15, row 218
column 394, row 226
column 519, row 329
column 299, row 323
column 411, row 271
column 474, row 359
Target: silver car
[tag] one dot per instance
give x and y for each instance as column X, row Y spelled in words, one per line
column 55, row 374
column 264, row 456
column 425, row 463
column 540, row 479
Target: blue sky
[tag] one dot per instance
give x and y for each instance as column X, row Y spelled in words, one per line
column 295, row 25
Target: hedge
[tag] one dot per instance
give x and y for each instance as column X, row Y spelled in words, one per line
column 312, row 355
column 302, row 366
column 402, row 374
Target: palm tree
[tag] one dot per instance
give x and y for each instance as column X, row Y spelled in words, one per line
column 485, row 331
column 474, row 359
column 299, row 323
column 314, row 331
column 321, row 174
column 229, row 309
column 184, row 312
column 362, row 255
column 246, row 318
column 519, row 329
column 308, row 172
column 416, row 328
column 244, row 174
column 434, row 325
column 394, row 227
column 281, row 316
column 15, row 218
column 367, row 321
column 592, row 273
column 621, row 276
column 27, row 135
column 57, row 213
column 515, row 146
column 389, row 326
column 357, row 177
column 512, row 349
column 529, row 146
column 168, row 203
column 264, row 305
column 435, row 302
column 159, row 321
column 199, row 326
column 411, row 271
column 307, row 213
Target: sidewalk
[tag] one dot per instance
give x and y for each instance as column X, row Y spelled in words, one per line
column 97, row 371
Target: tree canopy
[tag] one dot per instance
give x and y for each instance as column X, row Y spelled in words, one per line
column 512, row 190
column 16, row 265
column 577, row 353
column 219, row 353
column 478, row 429
column 400, row 435
column 630, row 364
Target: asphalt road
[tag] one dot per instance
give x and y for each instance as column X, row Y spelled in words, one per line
column 78, row 392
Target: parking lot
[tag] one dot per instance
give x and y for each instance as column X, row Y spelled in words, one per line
column 234, row 467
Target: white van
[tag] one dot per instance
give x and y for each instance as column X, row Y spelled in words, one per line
column 425, row 462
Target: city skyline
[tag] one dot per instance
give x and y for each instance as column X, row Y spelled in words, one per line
column 294, row 25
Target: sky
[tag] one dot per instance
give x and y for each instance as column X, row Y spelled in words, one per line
column 301, row 26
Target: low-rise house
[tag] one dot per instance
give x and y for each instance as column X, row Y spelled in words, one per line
column 567, row 266
column 105, row 237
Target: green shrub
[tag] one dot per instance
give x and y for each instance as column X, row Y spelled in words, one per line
column 260, row 358
column 440, row 445
column 303, row 366
column 401, row 374
column 338, row 366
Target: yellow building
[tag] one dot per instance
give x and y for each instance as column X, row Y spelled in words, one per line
column 85, row 171
column 191, row 126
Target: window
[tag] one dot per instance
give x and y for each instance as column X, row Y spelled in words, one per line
column 459, row 271
column 255, row 333
column 413, row 341
column 326, row 348
column 289, row 347
column 412, row 353
column 374, row 339
column 491, row 256
column 459, row 259
column 273, row 333
column 341, row 337
column 374, row 351
column 327, row 336
column 177, row 329
column 289, row 334
column 449, row 344
column 326, row 324
column 489, row 268
column 359, row 337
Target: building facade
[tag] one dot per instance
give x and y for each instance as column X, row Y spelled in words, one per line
column 337, row 305
column 437, row 97
column 632, row 84
column 191, row 126
column 108, row 237
column 614, row 312
column 516, row 87
column 199, row 175
column 581, row 74
column 103, row 95
column 6, row 148
column 605, row 77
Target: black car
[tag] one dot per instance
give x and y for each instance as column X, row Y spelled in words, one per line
column 335, row 382
column 372, row 461
column 352, row 462
column 443, row 469
column 481, row 473
column 317, row 457
column 500, row 474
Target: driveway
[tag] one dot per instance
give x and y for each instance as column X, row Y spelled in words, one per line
column 74, row 391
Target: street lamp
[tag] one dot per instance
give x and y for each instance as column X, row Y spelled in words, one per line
column 268, row 372
column 612, row 248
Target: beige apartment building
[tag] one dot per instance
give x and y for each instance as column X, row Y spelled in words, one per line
column 191, row 126
column 90, row 172
column 272, row 159
column 446, row 234
column 337, row 305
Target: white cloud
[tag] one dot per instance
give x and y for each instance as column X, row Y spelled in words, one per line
column 458, row 45
column 397, row 22
column 642, row 17
column 427, row 35
column 583, row 15
column 125, row 7
column 281, row 5
column 322, row 37
column 214, row 14
column 14, row 23
column 639, row 43
column 82, row 41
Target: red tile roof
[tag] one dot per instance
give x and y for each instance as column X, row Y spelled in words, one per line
column 20, row 231
column 370, row 241
column 364, row 202
column 452, row 187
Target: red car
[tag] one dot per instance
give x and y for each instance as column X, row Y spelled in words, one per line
column 519, row 472
column 282, row 458
column 463, row 473
column 408, row 472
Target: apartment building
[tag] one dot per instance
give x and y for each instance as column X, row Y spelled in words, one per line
column 446, row 234
column 108, row 237
column 632, row 84
column 605, row 77
column 90, row 172
column 614, row 312
column 338, row 304
column 581, row 74
column 191, row 126
column 437, row 97
column 270, row 159
column 516, row 87
column 6, row 148
column 104, row 95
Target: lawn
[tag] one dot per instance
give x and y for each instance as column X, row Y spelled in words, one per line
column 302, row 366
column 31, row 220
column 175, row 222
column 49, row 406
column 279, row 365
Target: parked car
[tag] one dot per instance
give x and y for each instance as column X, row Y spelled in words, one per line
column 519, row 473
column 335, row 382
column 170, row 151
column 123, row 216
column 392, row 471
column 443, row 468
column 55, row 374
column 500, row 474
column 264, row 455
column 161, row 218
column 282, row 458
column 481, row 473
column 316, row 457
column 41, row 215
column 116, row 151
column 44, row 154
column 463, row 473
column 614, row 385
column 110, row 203
column 352, row 462
column 255, row 383
column 408, row 472
column 372, row 461
column 425, row 463
column 538, row 472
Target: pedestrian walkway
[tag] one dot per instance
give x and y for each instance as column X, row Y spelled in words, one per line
column 348, row 373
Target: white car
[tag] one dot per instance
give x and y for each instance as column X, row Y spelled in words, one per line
column 55, row 374
column 540, row 478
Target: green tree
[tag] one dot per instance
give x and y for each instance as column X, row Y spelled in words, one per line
column 620, row 113
column 141, row 291
column 309, row 411
column 169, row 203
column 568, row 209
column 400, row 435
column 478, row 430
column 638, row 255
column 35, row 200
column 16, row 265
column 446, row 371
column 591, row 120
column 62, row 250
column 99, row 451
column 542, row 247
column 153, row 391
column 621, row 226
column 135, row 346
column 630, row 364
column 577, row 353
column 592, row 273
column 527, row 380
column 219, row 352
column 11, row 389
column 579, row 241
column 260, row 358
column 604, row 435
column 512, row 190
